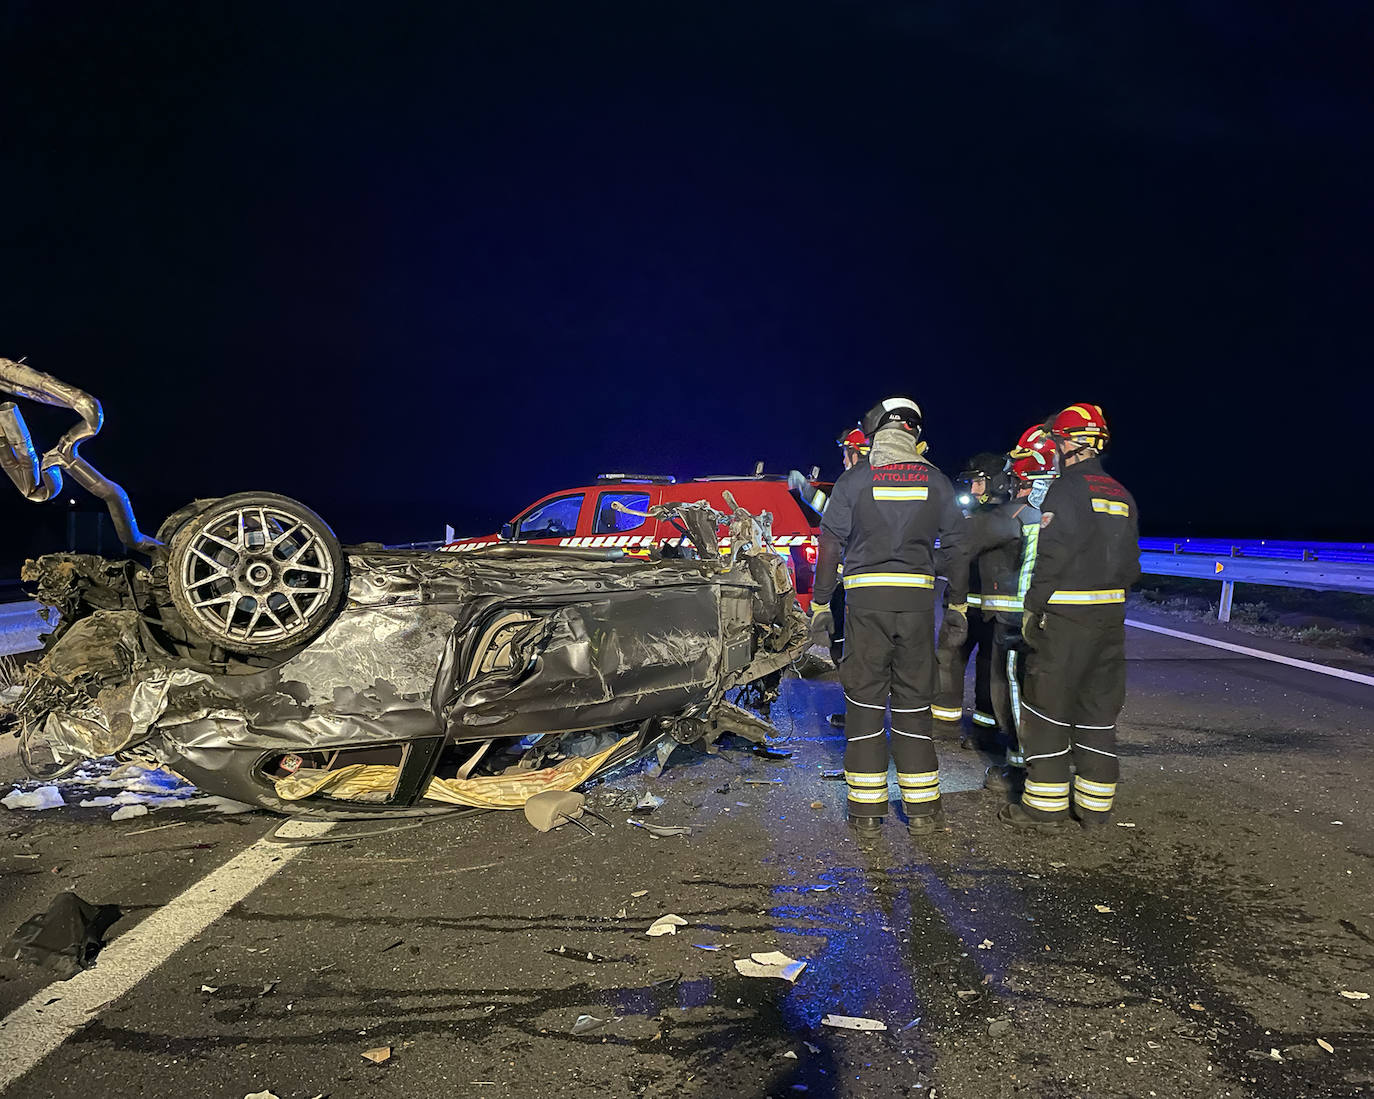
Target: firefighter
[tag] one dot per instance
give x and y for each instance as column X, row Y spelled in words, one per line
column 1005, row 570
column 1086, row 556
column 882, row 521
column 978, row 491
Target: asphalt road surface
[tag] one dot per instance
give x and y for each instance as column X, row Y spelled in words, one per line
column 1200, row 948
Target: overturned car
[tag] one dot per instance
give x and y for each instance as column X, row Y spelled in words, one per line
column 243, row 648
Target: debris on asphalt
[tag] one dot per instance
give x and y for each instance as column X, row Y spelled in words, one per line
column 623, row 914
column 551, row 809
column 649, row 802
column 791, row 1055
column 587, row 1023
column 217, row 804
column 269, row 988
column 378, row 1055
column 967, row 994
column 834, row 775
column 660, row 831
column 391, row 945
column 261, row 1095
column 986, row 944
column 156, row 828
column 66, row 938
column 211, row 989
column 763, row 782
column 705, row 946
column 818, row 805
column 1102, row 908
column 772, row 964
column 578, row 955
column 45, row 797
column 999, row 1027
column 665, row 925
column 1354, row 995
column 822, row 888
column 1195, row 1007
column 771, row 753
column 911, row 1024
column 1275, row 1055
column 125, row 812
column 1124, row 824
column 640, row 893
column 853, row 1022
column 1326, row 1045
column 812, row 1047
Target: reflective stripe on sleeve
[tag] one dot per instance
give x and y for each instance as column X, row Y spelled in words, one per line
column 1001, row 603
column 1119, row 508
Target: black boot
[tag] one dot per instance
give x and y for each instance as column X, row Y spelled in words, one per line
column 866, row 828
column 1090, row 821
column 1016, row 817
column 1004, row 780
column 837, row 720
column 926, row 824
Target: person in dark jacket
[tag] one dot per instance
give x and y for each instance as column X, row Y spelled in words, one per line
column 882, row 521
column 1087, row 556
column 979, row 493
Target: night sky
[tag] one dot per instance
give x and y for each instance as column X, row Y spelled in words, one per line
column 417, row 268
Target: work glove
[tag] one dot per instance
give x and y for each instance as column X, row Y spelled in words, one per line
column 822, row 625
column 954, row 628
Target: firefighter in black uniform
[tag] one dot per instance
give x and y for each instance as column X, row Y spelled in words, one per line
column 1087, row 556
column 978, row 493
column 1005, row 570
column 882, row 521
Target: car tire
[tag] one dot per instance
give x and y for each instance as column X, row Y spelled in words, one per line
column 256, row 573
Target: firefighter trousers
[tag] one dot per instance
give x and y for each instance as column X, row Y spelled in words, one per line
column 1008, row 683
column 952, row 657
column 1075, row 686
column 889, row 656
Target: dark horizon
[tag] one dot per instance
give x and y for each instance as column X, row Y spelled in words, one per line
column 417, row 270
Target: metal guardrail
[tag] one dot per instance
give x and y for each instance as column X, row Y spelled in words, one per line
column 1317, row 566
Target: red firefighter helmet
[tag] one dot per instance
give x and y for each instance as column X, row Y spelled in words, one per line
column 1082, row 423
column 1034, row 457
column 854, row 440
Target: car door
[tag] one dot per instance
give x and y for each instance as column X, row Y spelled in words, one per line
column 553, row 521
column 609, row 526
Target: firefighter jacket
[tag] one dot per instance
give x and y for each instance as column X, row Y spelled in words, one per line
column 1005, row 545
column 1087, row 553
column 883, row 523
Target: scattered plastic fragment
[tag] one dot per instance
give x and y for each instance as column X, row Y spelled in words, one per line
column 967, row 994
column 211, row 989
column 763, row 782
column 45, row 797
column 378, row 1055
column 1354, row 995
column 623, row 914
column 1326, row 1045
column 1275, row 1055
column 812, row 1047
column 156, row 828
column 578, row 955
column 1102, row 908
column 661, row 831
column 986, row 944
column 66, row 938
column 1195, row 1007
column 852, row 1022
column 822, row 888
column 261, row 1095
column 1124, row 824
column 640, row 893
column 910, row 1024
column 665, row 925
column 773, row 964
column 705, row 946
column 999, row 1027
column 818, row 805
column 649, row 802
column 125, row 812
column 833, row 775
column 791, row 1054
column 587, row 1023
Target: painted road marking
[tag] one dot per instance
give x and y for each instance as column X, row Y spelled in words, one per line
column 1292, row 662
column 36, row 1028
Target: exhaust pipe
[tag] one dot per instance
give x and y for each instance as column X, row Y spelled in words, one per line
column 41, row 479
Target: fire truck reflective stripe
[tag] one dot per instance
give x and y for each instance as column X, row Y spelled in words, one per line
column 986, row 720
column 866, row 778
column 1082, row 598
column 1000, row 603
column 920, row 492
column 946, row 713
column 889, row 580
column 1112, row 507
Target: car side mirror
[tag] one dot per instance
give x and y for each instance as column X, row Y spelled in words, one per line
column 507, row 532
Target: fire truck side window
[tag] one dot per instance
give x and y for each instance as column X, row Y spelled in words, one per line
column 610, row 521
column 553, row 519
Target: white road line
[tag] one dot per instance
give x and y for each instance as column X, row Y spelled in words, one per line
column 36, row 1028
column 1292, row 662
